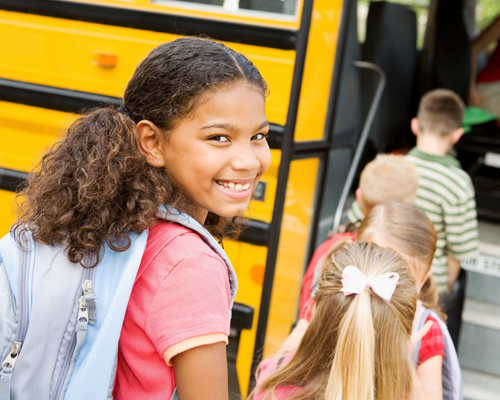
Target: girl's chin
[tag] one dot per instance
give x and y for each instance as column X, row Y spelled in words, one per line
column 233, row 211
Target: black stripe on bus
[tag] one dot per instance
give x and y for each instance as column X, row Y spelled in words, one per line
column 52, row 97
column 159, row 22
column 76, row 102
column 254, row 232
column 11, row 180
column 283, row 173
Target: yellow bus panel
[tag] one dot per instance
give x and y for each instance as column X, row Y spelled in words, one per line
column 69, row 54
column 8, row 214
column 27, row 131
column 318, row 70
column 295, row 230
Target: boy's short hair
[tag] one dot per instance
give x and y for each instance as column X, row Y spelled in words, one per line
column 388, row 177
column 440, row 111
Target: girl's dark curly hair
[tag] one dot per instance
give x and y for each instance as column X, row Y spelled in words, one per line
column 95, row 186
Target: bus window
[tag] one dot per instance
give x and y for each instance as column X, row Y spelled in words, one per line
column 421, row 8
column 286, row 7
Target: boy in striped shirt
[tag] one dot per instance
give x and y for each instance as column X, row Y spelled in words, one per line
column 445, row 191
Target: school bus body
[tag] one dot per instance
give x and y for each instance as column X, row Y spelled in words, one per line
column 61, row 56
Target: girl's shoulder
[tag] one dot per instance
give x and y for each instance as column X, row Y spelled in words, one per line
column 177, row 239
column 433, row 342
column 170, row 245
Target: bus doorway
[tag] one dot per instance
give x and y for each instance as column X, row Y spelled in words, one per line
column 422, row 45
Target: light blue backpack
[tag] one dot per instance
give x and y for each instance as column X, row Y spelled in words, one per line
column 60, row 323
column 451, row 373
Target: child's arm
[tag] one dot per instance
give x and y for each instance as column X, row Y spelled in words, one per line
column 429, row 374
column 453, row 272
column 201, row 373
column 491, row 34
column 291, row 343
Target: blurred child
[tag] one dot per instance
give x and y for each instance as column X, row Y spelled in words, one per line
column 445, row 191
column 356, row 346
column 387, row 177
column 409, row 231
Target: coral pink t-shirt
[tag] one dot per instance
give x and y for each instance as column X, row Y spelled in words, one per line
column 180, row 300
column 266, row 368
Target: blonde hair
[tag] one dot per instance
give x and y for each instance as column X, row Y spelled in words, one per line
column 388, row 177
column 409, row 231
column 440, row 112
column 355, row 346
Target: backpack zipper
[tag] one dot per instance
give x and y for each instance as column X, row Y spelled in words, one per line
column 10, row 361
column 25, row 269
column 87, row 275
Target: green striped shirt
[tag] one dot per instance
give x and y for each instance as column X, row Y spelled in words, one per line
column 446, row 194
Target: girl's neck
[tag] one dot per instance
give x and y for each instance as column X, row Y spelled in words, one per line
column 199, row 214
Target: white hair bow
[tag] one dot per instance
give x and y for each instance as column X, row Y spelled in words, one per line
column 355, row 282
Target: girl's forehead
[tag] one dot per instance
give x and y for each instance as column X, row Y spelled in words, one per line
column 238, row 102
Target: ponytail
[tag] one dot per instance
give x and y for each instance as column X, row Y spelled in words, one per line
column 92, row 187
column 353, row 368
column 355, row 346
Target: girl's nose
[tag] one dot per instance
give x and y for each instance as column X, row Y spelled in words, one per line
column 245, row 158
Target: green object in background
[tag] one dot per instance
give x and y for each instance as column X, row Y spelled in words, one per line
column 476, row 116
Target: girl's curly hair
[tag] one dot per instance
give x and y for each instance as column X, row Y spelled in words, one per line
column 95, row 186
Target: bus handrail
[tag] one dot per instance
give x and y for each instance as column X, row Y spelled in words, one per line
column 362, row 140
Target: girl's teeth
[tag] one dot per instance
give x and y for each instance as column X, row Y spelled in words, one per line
column 235, row 187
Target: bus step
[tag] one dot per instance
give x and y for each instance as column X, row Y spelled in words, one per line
column 482, row 314
column 478, row 348
column 480, row 386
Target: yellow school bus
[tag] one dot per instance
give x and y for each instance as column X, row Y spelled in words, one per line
column 60, row 57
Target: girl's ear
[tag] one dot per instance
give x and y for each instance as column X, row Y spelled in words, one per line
column 151, row 143
column 423, row 280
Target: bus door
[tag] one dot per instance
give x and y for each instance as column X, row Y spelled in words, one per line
column 64, row 56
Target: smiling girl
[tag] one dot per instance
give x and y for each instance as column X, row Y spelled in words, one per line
column 179, row 157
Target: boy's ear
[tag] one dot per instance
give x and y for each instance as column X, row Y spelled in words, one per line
column 150, row 143
column 358, row 196
column 359, row 199
column 415, row 128
column 457, row 134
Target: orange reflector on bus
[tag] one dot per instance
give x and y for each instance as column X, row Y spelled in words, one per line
column 108, row 60
column 257, row 273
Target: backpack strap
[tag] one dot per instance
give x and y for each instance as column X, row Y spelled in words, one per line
column 424, row 313
column 451, row 373
column 10, row 356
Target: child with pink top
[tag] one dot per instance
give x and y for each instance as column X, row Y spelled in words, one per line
column 172, row 164
column 359, row 340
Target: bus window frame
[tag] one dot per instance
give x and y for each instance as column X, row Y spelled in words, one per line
column 241, row 12
column 228, row 31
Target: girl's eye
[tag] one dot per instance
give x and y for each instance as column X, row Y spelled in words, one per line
column 219, row 138
column 259, row 136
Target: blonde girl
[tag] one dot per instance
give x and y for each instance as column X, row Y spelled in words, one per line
column 410, row 232
column 356, row 346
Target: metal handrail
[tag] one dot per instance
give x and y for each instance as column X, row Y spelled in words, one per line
column 362, row 140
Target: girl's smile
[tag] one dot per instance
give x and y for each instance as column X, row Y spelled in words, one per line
column 218, row 154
